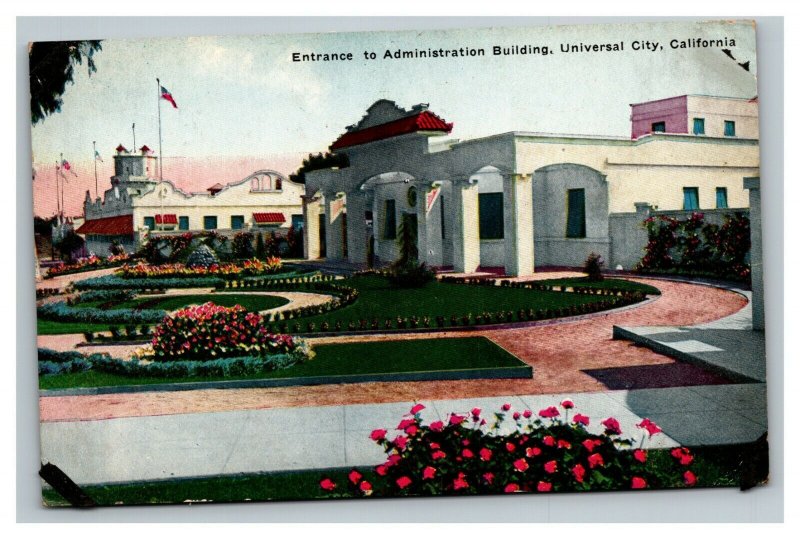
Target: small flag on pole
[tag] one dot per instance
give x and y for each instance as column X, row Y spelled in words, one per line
column 66, row 166
column 165, row 94
column 97, row 156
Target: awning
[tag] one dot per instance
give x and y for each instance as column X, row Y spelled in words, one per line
column 265, row 218
column 168, row 219
column 120, row 225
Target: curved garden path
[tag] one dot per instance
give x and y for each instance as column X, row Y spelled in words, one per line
column 563, row 356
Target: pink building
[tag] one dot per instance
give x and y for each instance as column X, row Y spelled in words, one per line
column 699, row 115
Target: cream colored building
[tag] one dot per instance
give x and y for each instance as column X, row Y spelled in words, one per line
column 521, row 200
column 137, row 203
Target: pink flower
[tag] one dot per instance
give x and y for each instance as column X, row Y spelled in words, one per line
column 638, row 482
column 516, row 416
column 434, row 445
column 417, row 409
column 567, row 404
column 476, row 413
column 595, row 459
column 578, row 471
column 550, row 466
column 393, row 460
column 532, row 451
column 405, row 423
column 365, row 487
column 467, row 454
column 649, row 426
column 380, row 470
column 403, row 482
column 437, row 426
column 327, row 484
column 521, row 465
column 400, row 441
column 488, row 477
column 506, row 407
column 611, row 425
column 456, row 419
column 581, row 419
column 460, row 482
column 590, row 444
column 354, row 476
column 428, row 472
column 411, row 430
column 438, row 455
column 563, row 444
column 544, row 486
column 549, row 412
column 378, row 435
column 527, row 414
column 510, row 447
column 511, row 487
column 689, row 478
column 640, row 455
column 486, row 454
column 549, row 441
column 683, row 455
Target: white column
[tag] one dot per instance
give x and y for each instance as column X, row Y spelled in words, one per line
column 311, row 212
column 422, row 222
column 518, row 224
column 466, row 239
column 333, row 229
column 356, row 227
column 756, row 267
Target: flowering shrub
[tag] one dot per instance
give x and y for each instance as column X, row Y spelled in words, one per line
column 210, row 331
column 693, row 246
column 86, row 264
column 203, row 257
column 549, row 451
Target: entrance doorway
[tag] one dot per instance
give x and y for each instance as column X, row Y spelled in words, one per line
column 323, row 251
column 408, row 237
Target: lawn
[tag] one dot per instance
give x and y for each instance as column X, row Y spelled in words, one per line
column 344, row 359
column 56, row 327
column 378, row 299
column 616, row 284
column 715, row 466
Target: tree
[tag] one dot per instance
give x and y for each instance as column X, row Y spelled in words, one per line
column 52, row 66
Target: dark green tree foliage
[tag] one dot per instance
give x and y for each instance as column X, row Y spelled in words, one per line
column 243, row 245
column 261, row 251
column 70, row 243
column 52, row 65
column 318, row 162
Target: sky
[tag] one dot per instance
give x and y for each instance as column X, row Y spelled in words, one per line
column 244, row 105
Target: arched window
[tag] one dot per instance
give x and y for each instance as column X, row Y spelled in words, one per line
column 278, row 184
column 255, row 184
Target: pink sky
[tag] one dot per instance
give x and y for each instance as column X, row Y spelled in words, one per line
column 190, row 174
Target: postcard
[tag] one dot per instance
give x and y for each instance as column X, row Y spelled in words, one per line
column 392, row 264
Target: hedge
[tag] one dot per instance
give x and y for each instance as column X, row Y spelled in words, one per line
column 63, row 312
column 112, row 282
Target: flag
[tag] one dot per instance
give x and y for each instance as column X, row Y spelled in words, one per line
column 430, row 198
column 66, row 166
column 97, row 156
column 168, row 96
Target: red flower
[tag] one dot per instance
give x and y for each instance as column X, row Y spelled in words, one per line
column 550, row 466
column 563, row 444
column 393, row 460
column 567, row 404
column 506, row 407
column 511, row 487
column 354, row 476
column 595, row 459
column 405, row 423
column 365, row 487
column 434, row 445
column 683, row 455
column 428, row 472
column 467, row 454
column 438, row 455
column 638, row 482
column 460, row 482
column 549, row 441
column 417, row 409
column 590, row 444
column 521, row 465
column 516, row 416
column 580, row 419
column 488, row 477
column 403, row 482
column 611, row 425
column 532, row 451
column 378, row 435
column 578, row 471
column 640, row 455
column 544, row 486
column 327, row 484
column 456, row 419
column 476, row 412
column 510, row 447
column 527, row 414
column 549, row 412
column 486, row 454
column 380, row 470
column 411, row 430
column 689, row 478
column 437, row 426
column 400, row 441
column 649, row 426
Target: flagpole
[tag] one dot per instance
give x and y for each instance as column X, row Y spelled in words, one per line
column 160, row 152
column 94, row 158
column 63, row 208
column 58, row 198
column 133, row 128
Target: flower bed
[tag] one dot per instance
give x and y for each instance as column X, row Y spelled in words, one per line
column 87, row 264
column 211, row 331
column 545, row 453
column 113, row 282
column 253, row 267
column 61, row 311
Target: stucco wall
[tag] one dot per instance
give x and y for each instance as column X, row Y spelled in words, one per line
column 671, row 111
column 716, row 110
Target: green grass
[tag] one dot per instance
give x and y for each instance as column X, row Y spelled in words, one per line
column 715, row 467
column 617, row 284
column 362, row 358
column 55, row 327
column 378, row 299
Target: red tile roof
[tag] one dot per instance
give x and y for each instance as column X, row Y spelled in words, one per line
column 424, row 121
column 120, row 225
column 121, row 148
column 269, row 217
column 169, row 219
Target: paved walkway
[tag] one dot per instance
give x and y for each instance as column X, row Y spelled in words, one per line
column 246, row 441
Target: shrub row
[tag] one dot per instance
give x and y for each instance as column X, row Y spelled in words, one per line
column 343, row 296
column 63, row 312
column 130, row 332
column 52, row 362
column 275, row 282
column 102, row 295
column 42, row 293
column 544, row 287
column 113, row 282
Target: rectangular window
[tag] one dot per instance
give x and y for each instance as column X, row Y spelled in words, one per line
column 699, row 126
column 442, row 214
column 722, row 197
column 389, row 221
column 576, row 213
column 183, row 222
column 237, row 222
column 209, row 222
column 659, row 127
column 691, row 199
column 150, row 222
column 297, row 222
column 490, row 212
column 730, row 128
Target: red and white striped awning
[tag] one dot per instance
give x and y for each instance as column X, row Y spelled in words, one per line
column 167, row 219
column 268, row 218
